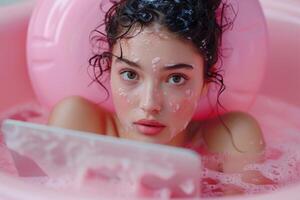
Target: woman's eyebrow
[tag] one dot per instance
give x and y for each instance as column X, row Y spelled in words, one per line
column 131, row 63
column 166, row 68
column 178, row 66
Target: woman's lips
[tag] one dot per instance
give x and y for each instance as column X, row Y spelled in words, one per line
column 149, row 127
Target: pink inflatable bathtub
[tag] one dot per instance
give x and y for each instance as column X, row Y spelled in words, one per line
column 277, row 107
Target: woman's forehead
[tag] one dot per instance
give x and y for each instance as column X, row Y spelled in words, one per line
column 158, row 46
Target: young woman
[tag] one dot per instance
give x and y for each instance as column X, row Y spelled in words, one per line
column 161, row 57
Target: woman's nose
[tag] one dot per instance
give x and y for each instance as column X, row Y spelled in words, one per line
column 151, row 101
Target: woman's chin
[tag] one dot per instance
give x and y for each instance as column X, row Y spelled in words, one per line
column 148, row 138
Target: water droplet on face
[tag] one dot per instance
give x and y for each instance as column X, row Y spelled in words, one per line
column 189, row 92
column 122, row 92
column 157, row 27
column 163, row 36
column 177, row 107
column 148, row 31
column 156, row 60
column 136, row 60
column 174, row 107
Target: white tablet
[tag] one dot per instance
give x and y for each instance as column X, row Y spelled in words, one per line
column 102, row 164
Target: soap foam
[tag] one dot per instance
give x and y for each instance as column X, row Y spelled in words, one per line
column 280, row 163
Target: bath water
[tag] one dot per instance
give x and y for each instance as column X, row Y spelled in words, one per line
column 278, row 166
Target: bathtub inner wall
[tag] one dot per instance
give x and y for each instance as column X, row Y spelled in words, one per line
column 282, row 77
column 15, row 87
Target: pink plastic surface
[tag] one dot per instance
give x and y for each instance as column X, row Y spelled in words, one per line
column 59, row 49
column 281, row 82
column 14, row 21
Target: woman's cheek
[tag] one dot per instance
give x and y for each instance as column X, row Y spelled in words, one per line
column 180, row 102
column 122, row 103
column 180, row 112
column 125, row 97
column 183, row 109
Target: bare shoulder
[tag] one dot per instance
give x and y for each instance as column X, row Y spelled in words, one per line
column 77, row 113
column 233, row 132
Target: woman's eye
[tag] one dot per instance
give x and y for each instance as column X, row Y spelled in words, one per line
column 129, row 75
column 177, row 79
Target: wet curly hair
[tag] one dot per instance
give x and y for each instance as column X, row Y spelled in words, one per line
column 200, row 21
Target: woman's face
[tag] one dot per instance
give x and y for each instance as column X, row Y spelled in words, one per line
column 155, row 85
